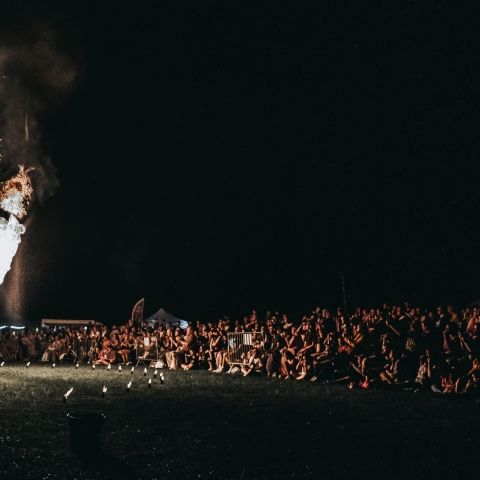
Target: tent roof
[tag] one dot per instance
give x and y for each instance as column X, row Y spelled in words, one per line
column 162, row 316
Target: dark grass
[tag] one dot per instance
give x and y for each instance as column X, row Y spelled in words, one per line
column 202, row 425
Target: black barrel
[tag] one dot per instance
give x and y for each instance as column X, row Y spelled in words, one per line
column 85, row 431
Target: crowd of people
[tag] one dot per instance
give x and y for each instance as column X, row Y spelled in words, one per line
column 398, row 347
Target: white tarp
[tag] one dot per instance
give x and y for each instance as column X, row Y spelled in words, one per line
column 164, row 318
column 60, row 322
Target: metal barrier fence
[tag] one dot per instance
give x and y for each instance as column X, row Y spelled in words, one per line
column 146, row 354
column 240, row 344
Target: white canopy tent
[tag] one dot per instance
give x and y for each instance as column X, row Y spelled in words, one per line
column 162, row 317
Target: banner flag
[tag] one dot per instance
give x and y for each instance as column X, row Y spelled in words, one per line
column 137, row 313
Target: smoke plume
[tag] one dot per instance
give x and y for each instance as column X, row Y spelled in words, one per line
column 34, row 76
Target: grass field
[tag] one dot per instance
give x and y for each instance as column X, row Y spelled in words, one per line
column 202, row 425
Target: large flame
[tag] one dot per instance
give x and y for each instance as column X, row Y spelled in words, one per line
column 15, row 196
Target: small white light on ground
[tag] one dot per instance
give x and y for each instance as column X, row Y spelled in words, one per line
column 65, row 397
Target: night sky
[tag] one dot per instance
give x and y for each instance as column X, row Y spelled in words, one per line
column 214, row 157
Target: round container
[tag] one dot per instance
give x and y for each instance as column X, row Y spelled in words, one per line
column 85, row 431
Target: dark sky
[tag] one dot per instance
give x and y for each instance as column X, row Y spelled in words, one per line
column 216, row 156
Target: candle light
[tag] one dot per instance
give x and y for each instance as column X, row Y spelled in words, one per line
column 93, row 366
column 145, row 372
column 104, row 391
column 132, row 370
column 109, row 367
column 149, row 383
column 2, row 364
column 155, row 374
column 119, row 369
column 65, row 397
column 129, row 386
column 53, row 364
column 28, row 364
column 162, row 378
column 77, row 365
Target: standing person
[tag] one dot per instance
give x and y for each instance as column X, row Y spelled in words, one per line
column 213, row 348
column 13, row 347
column 31, row 339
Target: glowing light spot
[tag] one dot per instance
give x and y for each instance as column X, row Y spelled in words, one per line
column 15, row 195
